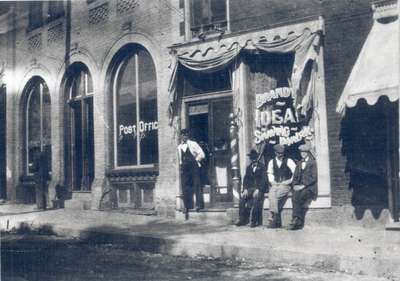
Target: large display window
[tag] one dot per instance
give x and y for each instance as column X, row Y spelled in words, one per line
column 80, row 132
column 37, row 124
column 135, row 111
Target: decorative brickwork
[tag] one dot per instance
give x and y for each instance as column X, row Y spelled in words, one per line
column 35, row 42
column 99, row 14
column 55, row 34
column 124, row 6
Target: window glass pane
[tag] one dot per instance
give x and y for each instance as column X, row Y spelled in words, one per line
column 197, row 12
column 35, row 14
column 56, row 9
column 200, row 83
column 76, row 86
column 33, row 126
column 90, row 139
column 77, row 152
column 46, row 107
column 148, row 125
column 126, row 127
column 218, row 10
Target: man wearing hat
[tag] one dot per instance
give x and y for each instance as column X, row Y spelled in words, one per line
column 190, row 155
column 280, row 174
column 304, row 186
column 252, row 196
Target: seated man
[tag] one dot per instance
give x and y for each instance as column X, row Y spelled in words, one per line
column 280, row 174
column 304, row 186
column 252, row 197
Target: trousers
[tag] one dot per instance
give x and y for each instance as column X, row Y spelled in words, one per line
column 278, row 195
column 191, row 185
column 251, row 208
column 300, row 201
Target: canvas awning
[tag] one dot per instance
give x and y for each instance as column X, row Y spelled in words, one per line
column 376, row 71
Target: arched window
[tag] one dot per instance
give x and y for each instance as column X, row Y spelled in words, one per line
column 80, row 132
column 37, row 124
column 135, row 111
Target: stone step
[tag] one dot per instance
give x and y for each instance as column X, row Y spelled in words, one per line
column 393, row 226
column 330, row 217
column 79, row 201
column 208, row 216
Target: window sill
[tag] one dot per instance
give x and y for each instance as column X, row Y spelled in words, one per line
column 56, row 18
column 31, row 30
column 133, row 173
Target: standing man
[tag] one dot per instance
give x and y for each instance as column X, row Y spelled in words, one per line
column 280, row 174
column 252, row 196
column 42, row 176
column 190, row 155
column 304, row 186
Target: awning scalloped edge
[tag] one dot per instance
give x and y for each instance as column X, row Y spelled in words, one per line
column 371, row 98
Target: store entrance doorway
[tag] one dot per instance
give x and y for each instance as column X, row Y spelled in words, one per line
column 208, row 123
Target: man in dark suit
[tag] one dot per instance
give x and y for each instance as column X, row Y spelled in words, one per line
column 190, row 156
column 304, row 186
column 252, row 196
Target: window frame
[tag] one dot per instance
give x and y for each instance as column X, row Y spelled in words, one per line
column 41, row 85
column 212, row 32
column 80, row 100
column 132, row 55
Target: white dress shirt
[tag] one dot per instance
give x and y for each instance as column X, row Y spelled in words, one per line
column 194, row 149
column 270, row 169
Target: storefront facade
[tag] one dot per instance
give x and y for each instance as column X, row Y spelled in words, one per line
column 103, row 88
column 271, row 81
column 94, row 109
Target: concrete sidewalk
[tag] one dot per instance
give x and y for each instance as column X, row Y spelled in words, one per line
column 353, row 250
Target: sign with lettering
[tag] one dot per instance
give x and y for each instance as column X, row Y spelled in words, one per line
column 134, row 130
column 276, row 118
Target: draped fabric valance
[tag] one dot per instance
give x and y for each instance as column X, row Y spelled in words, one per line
column 304, row 44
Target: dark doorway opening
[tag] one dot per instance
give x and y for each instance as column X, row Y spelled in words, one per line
column 208, row 122
column 370, row 137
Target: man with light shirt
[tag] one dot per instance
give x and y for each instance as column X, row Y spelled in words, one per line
column 304, row 186
column 280, row 172
column 190, row 155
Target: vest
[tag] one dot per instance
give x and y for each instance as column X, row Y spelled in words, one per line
column 188, row 158
column 283, row 172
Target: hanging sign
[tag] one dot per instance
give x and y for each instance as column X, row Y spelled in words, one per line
column 277, row 120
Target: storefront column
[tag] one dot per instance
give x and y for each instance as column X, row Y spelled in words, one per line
column 321, row 134
column 99, row 185
column 241, row 109
column 56, row 133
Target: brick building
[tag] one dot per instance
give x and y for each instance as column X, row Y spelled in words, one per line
column 103, row 88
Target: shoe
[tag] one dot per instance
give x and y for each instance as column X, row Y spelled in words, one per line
column 274, row 222
column 187, row 214
column 253, row 224
column 295, row 224
column 241, row 223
